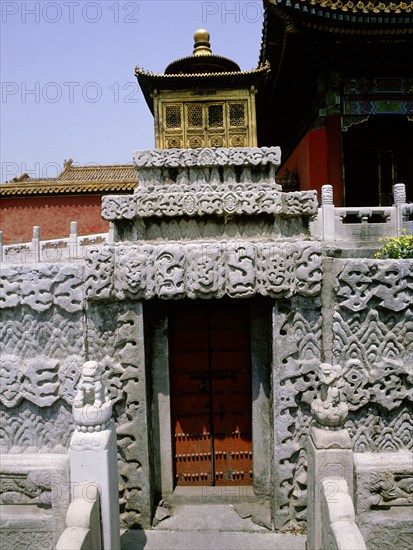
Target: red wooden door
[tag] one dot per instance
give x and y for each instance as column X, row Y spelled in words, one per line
column 210, row 372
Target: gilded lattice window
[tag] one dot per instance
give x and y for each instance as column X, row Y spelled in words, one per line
column 212, row 123
column 173, row 116
column 216, row 116
column 237, row 114
column 194, row 116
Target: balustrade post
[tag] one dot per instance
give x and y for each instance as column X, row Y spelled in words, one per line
column 1, row 246
column 329, row 448
column 93, row 449
column 399, row 195
column 112, row 233
column 327, row 205
column 73, row 240
column 36, row 243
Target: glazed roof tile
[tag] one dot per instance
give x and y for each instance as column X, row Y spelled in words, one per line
column 350, row 12
column 74, row 180
column 354, row 6
column 265, row 68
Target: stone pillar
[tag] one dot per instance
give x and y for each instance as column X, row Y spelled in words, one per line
column 93, row 452
column 327, row 206
column 1, row 246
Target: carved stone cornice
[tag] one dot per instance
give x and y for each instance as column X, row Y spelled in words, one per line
column 202, row 200
column 217, row 156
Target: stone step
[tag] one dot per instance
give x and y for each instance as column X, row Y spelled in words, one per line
column 211, row 526
column 210, row 540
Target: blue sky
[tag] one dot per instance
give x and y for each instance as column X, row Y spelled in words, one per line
column 67, row 72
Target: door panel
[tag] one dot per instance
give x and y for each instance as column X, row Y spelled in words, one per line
column 231, row 385
column 211, row 393
column 191, row 415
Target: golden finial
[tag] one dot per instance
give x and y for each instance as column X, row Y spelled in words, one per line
column 202, row 45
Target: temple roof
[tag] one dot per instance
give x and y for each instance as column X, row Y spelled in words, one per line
column 75, row 180
column 352, row 12
column 202, row 69
column 309, row 42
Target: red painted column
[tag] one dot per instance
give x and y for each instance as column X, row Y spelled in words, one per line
column 335, row 158
column 318, row 151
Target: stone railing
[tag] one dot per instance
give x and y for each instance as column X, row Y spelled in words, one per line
column 338, row 526
column 331, row 519
column 93, row 458
column 51, row 250
column 83, row 531
column 361, row 227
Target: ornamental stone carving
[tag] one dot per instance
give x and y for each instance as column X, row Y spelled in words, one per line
column 399, row 192
column 205, row 269
column 387, row 284
column 92, row 408
column 99, row 265
column 393, row 488
column 327, row 195
column 170, row 271
column 328, row 409
column 134, row 272
column 119, row 204
column 42, row 286
column 218, row 156
column 210, row 199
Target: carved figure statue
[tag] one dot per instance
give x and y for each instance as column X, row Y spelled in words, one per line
column 327, row 409
column 90, row 390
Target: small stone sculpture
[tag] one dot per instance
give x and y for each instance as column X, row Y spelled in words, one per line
column 92, row 407
column 328, row 410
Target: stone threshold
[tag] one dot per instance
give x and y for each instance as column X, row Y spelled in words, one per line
column 215, row 495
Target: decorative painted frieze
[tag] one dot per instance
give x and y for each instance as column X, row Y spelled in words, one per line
column 204, row 270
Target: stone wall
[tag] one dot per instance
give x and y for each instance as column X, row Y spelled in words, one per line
column 56, row 316
column 203, row 224
column 364, row 323
column 41, row 351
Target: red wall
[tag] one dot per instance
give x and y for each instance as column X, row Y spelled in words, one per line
column 52, row 214
column 317, row 160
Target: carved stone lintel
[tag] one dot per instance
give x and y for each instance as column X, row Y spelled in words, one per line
column 206, row 270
